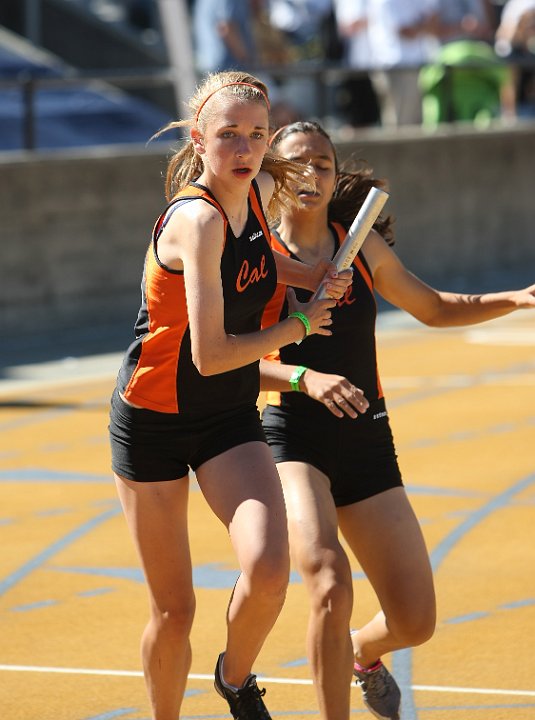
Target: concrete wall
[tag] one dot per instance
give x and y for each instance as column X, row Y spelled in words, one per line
column 464, row 202
column 74, row 234
column 75, row 227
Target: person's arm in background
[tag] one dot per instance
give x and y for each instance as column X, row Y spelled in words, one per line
column 230, row 34
column 427, row 24
column 351, row 18
column 512, row 36
column 508, row 94
column 478, row 23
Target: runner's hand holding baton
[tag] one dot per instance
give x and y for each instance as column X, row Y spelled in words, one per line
column 357, row 233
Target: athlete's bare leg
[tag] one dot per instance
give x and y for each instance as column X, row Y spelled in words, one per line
column 243, row 489
column 385, row 536
column 156, row 514
column 324, row 566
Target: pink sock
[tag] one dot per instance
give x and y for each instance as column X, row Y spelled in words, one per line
column 370, row 669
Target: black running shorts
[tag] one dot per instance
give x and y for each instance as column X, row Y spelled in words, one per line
column 358, row 456
column 149, row 446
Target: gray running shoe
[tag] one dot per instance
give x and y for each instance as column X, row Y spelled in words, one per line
column 380, row 692
column 245, row 703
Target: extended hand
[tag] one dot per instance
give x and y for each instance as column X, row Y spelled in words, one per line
column 525, row 298
column 336, row 392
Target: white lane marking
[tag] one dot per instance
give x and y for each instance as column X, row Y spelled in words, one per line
column 281, row 681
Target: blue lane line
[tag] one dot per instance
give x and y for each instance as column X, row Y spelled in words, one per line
column 34, row 606
column 496, row 503
column 94, row 593
column 402, row 671
column 211, row 576
column 56, row 547
column 46, row 475
column 402, row 659
column 469, row 617
column 39, row 416
column 518, row 603
column 299, row 662
column 463, row 436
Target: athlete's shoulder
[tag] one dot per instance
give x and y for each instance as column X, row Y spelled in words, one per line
column 376, row 240
column 199, row 215
column 194, row 230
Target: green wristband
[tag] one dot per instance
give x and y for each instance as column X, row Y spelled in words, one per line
column 301, row 316
column 296, row 376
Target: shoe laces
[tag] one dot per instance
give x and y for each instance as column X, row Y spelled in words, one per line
column 248, row 702
column 376, row 683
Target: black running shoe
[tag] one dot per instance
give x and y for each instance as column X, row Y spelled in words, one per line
column 380, row 692
column 245, row 703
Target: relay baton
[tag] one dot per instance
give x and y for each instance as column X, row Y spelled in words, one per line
column 358, row 232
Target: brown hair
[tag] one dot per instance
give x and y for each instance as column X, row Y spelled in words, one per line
column 352, row 183
column 185, row 165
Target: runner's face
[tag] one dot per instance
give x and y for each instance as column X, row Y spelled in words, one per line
column 316, row 151
column 235, row 139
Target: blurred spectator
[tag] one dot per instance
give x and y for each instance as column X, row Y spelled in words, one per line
column 467, row 82
column 223, row 35
column 272, row 45
column 333, row 44
column 465, row 20
column 401, row 37
column 272, row 51
column 301, row 21
column 237, row 34
column 356, row 100
column 511, row 14
column 515, row 41
column 301, row 24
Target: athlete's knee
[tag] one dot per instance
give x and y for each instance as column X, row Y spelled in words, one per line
column 175, row 616
column 414, row 628
column 268, row 573
column 331, row 589
column 418, row 632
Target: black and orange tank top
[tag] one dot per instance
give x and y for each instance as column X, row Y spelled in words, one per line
column 158, row 371
column 350, row 350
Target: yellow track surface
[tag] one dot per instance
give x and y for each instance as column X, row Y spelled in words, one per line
column 73, row 602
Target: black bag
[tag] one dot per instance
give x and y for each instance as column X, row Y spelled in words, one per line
column 333, row 45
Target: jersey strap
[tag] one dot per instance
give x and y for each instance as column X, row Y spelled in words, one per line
column 190, row 192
